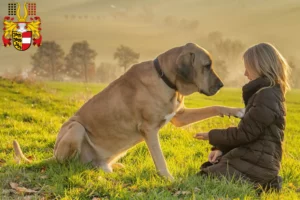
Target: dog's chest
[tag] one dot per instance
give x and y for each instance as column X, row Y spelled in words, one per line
column 168, row 117
column 176, row 104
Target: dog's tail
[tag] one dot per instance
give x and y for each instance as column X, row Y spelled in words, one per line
column 18, row 153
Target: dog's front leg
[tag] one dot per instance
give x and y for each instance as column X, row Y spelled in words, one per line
column 187, row 116
column 152, row 141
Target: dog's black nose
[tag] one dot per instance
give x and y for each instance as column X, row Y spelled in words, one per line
column 220, row 85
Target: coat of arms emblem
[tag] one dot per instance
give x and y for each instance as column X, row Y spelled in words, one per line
column 22, row 33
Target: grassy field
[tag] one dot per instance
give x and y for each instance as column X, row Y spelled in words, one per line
column 33, row 114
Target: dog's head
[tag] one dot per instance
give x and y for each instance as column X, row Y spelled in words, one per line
column 195, row 72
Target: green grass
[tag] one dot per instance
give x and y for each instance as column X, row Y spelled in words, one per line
column 33, row 114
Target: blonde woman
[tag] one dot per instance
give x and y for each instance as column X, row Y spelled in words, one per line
column 253, row 150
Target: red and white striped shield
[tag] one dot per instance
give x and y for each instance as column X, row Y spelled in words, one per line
column 22, row 41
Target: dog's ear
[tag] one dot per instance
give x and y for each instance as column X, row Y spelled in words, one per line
column 185, row 67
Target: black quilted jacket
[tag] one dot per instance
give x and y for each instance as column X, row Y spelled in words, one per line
column 254, row 148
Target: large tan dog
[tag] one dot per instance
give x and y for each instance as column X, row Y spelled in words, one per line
column 135, row 106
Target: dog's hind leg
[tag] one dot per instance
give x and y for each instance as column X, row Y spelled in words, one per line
column 69, row 144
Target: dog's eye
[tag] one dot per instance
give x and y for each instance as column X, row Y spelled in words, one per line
column 208, row 66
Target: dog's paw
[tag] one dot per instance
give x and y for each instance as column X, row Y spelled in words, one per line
column 240, row 113
column 118, row 166
column 171, row 178
column 167, row 176
column 107, row 168
column 231, row 111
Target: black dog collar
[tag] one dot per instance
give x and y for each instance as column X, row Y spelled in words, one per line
column 162, row 75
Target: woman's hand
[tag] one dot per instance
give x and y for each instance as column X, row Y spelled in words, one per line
column 213, row 155
column 201, row 136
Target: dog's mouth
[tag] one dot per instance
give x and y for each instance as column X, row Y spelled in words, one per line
column 201, row 91
column 204, row 92
column 211, row 91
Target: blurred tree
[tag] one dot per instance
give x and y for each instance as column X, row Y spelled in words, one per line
column 170, row 21
column 194, row 25
column 215, row 37
column 294, row 73
column 220, row 68
column 126, row 56
column 224, row 47
column 190, row 25
column 291, row 62
column 80, row 61
column 230, row 49
column 48, row 60
column 227, row 56
column 107, row 72
column 147, row 14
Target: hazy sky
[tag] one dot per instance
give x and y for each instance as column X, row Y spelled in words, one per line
column 106, row 24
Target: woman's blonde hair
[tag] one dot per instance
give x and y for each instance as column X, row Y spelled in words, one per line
column 267, row 61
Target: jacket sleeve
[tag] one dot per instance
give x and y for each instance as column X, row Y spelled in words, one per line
column 257, row 118
column 223, row 148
